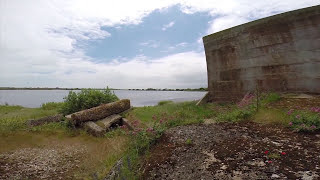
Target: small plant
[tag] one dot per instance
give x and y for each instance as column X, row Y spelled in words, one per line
column 246, row 101
column 304, row 121
column 271, row 97
column 188, row 141
column 274, row 156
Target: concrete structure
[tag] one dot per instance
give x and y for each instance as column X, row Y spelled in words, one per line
column 279, row 53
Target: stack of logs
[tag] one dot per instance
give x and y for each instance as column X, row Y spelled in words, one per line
column 99, row 120
column 96, row 121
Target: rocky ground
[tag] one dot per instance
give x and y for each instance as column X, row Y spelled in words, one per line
column 244, row 150
column 41, row 163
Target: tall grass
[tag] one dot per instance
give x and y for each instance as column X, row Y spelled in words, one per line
column 14, row 117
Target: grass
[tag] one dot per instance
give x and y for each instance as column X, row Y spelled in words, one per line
column 164, row 102
column 52, row 106
column 101, row 153
column 150, row 122
column 271, row 116
column 174, row 113
column 13, row 118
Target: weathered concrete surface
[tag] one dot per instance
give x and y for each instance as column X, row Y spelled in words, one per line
column 279, row 53
column 93, row 129
column 126, row 123
column 108, row 121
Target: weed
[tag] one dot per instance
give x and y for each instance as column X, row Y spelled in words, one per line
column 304, row 121
column 274, row 156
column 188, row 141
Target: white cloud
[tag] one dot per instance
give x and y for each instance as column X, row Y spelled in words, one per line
column 38, row 41
column 173, row 71
column 167, row 26
column 150, row 43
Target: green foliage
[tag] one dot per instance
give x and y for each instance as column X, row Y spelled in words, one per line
column 85, row 99
column 236, row 115
column 304, row 121
column 269, row 115
column 164, row 102
column 271, row 97
column 188, row 141
column 274, row 156
column 51, row 105
column 174, row 114
column 14, row 117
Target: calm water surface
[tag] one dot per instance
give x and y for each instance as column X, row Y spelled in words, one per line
column 34, row 98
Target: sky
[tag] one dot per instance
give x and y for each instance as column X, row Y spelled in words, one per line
column 120, row 44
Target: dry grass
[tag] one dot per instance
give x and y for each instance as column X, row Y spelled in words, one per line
column 99, row 157
column 272, row 116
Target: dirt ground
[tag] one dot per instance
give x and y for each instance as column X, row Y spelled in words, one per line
column 244, row 150
column 41, row 163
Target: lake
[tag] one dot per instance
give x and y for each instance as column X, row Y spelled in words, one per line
column 34, row 98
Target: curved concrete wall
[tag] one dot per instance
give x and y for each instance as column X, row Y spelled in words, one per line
column 278, row 53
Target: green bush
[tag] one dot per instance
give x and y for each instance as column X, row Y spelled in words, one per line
column 85, row 99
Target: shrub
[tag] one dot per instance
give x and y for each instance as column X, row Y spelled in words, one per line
column 304, row 121
column 85, row 99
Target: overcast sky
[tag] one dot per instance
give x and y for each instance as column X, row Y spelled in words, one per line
column 119, row 43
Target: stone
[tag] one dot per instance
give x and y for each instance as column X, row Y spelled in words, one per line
column 274, row 176
column 126, row 123
column 93, row 129
column 108, row 121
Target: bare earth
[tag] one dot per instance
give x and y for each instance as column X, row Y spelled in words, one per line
column 234, row 151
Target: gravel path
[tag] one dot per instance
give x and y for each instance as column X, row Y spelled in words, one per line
column 234, row 151
column 40, row 163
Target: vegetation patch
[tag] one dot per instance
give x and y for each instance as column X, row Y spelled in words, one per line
column 85, row 99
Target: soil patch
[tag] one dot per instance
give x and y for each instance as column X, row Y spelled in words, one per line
column 244, row 150
column 297, row 103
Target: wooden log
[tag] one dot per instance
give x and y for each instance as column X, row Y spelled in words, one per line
column 108, row 121
column 100, row 112
column 45, row 120
column 93, row 129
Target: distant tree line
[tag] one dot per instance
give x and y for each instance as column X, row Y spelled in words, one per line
column 165, row 89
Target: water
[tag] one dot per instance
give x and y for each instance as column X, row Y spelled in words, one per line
column 34, row 98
